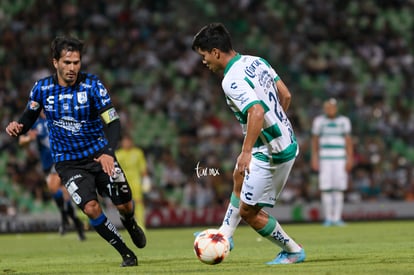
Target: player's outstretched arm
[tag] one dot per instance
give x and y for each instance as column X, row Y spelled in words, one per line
column 26, row 121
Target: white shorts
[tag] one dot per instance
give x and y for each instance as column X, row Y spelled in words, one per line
column 265, row 182
column 333, row 175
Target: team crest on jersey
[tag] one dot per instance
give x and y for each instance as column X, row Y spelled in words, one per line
column 82, row 97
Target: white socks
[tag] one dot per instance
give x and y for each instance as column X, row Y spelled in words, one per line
column 275, row 233
column 332, row 205
column 232, row 218
column 272, row 231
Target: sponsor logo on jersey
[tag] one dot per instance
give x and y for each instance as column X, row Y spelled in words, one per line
column 47, row 87
column 241, row 98
column 49, row 108
column 65, row 107
column 105, row 101
column 69, row 96
column 103, row 92
column 265, row 79
column 251, row 69
column 69, row 124
column 86, row 86
column 50, row 99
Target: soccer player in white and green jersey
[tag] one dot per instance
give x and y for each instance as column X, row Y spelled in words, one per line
column 332, row 157
column 259, row 99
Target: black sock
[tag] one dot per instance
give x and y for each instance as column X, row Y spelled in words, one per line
column 108, row 231
column 58, row 197
column 70, row 210
column 128, row 220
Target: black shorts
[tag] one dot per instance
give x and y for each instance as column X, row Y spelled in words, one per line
column 84, row 179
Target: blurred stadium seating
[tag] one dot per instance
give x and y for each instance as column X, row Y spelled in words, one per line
column 172, row 105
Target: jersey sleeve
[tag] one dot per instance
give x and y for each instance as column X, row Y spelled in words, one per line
column 34, row 103
column 347, row 126
column 103, row 103
column 316, row 126
column 101, row 97
column 240, row 93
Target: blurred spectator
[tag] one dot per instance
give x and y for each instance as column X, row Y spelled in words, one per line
column 7, row 206
column 172, row 179
column 134, row 164
column 198, row 194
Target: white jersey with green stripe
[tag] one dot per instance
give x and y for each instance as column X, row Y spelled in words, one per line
column 331, row 133
column 250, row 80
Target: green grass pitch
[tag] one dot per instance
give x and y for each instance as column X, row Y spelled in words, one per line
column 359, row 248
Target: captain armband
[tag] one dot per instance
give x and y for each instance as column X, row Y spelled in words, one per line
column 109, row 115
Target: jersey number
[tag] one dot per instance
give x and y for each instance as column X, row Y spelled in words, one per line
column 280, row 114
column 113, row 186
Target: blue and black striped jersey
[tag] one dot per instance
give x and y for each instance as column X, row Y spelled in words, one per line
column 73, row 115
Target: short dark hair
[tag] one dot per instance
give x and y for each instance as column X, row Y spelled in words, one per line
column 213, row 35
column 68, row 43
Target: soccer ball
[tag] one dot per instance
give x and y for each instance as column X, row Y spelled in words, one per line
column 211, row 246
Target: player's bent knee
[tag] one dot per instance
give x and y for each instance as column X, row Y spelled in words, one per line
column 125, row 208
column 92, row 209
column 53, row 183
column 246, row 212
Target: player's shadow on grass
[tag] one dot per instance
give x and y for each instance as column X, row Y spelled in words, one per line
column 168, row 261
column 330, row 260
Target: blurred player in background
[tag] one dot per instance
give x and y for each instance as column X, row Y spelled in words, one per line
column 332, row 157
column 133, row 162
column 259, row 99
column 40, row 134
column 84, row 128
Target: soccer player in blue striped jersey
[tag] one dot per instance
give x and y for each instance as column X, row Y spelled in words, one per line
column 84, row 130
column 332, row 156
column 259, row 100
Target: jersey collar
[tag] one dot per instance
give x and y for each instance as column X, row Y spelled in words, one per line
column 81, row 77
column 231, row 62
